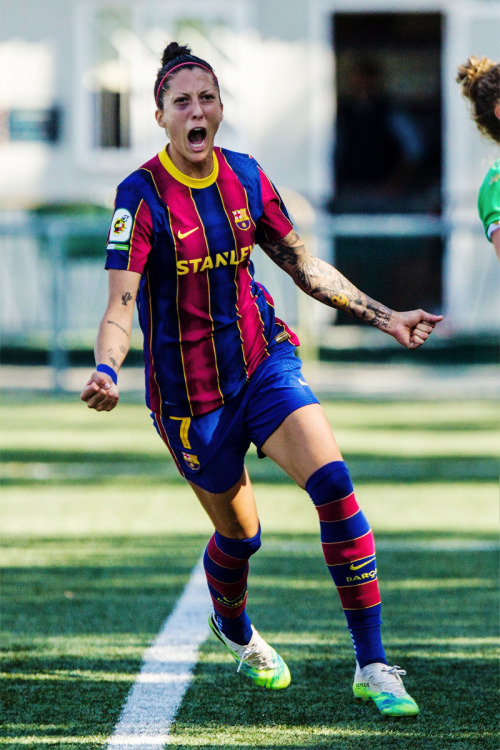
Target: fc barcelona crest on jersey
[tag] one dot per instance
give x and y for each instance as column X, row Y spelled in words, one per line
column 191, row 461
column 241, row 218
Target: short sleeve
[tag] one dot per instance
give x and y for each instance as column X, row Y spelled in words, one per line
column 130, row 234
column 489, row 200
column 274, row 223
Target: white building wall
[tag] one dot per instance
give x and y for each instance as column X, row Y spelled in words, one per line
column 274, row 60
column 265, row 56
column 37, row 64
column 277, row 73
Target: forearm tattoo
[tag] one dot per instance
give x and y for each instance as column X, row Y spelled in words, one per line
column 112, row 359
column 113, row 323
column 323, row 282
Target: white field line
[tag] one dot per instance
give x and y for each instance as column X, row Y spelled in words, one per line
column 166, row 672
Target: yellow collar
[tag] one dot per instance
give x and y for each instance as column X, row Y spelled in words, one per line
column 192, row 182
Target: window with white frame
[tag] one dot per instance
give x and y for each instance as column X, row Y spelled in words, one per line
column 120, row 49
column 112, row 94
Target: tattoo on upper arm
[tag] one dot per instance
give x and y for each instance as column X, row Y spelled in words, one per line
column 282, row 254
column 291, row 239
column 126, row 297
column 113, row 323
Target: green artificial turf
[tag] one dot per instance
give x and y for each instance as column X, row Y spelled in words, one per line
column 99, row 537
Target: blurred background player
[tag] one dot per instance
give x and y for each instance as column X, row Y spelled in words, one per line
column 480, row 83
column 221, row 368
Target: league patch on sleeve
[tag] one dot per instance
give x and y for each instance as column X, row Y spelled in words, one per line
column 121, row 225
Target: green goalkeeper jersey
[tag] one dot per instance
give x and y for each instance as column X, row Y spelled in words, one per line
column 489, row 200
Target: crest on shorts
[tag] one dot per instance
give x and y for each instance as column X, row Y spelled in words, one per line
column 191, row 461
column 241, row 218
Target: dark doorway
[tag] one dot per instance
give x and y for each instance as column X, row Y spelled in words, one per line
column 388, row 125
column 388, row 151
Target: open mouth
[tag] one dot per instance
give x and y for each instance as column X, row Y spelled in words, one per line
column 197, row 137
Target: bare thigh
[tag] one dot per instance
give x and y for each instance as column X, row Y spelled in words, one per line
column 234, row 512
column 303, row 443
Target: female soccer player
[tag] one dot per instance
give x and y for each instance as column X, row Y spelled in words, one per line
column 221, row 369
column 480, row 81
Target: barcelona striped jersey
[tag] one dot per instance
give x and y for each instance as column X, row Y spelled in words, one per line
column 207, row 324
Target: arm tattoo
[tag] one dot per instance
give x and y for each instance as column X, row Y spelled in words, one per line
column 382, row 314
column 112, row 322
column 325, row 283
column 112, row 359
column 126, row 298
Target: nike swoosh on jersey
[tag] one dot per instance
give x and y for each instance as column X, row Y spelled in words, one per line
column 181, row 235
column 357, row 567
column 302, row 382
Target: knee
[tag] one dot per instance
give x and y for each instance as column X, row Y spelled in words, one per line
column 239, row 548
column 331, row 482
column 233, row 529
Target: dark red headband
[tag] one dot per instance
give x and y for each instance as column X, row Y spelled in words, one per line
column 180, row 65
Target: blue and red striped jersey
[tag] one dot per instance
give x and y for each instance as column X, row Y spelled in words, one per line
column 207, row 323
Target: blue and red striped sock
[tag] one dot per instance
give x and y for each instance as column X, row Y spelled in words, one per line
column 349, row 550
column 226, row 569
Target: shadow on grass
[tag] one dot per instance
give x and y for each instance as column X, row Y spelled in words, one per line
column 36, row 467
column 76, row 621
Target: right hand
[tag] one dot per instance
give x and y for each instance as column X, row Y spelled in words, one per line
column 413, row 327
column 100, row 393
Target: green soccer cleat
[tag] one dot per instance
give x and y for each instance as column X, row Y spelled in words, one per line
column 257, row 660
column 383, row 685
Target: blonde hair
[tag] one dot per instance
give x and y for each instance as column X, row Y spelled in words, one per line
column 480, row 81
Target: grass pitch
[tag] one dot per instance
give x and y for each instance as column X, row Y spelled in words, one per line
column 99, row 537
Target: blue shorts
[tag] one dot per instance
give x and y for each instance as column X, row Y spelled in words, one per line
column 210, row 450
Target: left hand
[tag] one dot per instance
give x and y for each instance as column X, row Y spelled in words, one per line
column 412, row 329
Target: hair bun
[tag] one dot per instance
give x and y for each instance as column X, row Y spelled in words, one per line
column 172, row 52
column 479, row 80
column 472, row 70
